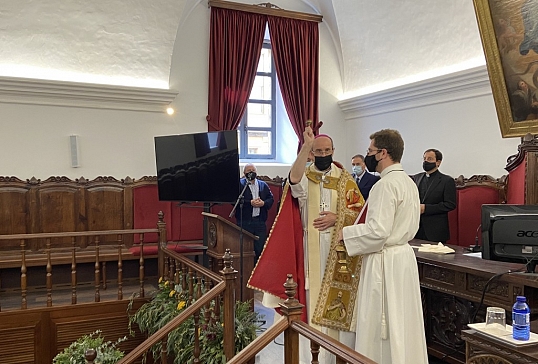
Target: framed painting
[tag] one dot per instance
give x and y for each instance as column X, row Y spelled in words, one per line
column 509, row 33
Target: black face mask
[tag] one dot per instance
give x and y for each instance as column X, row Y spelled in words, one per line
column 323, row 163
column 371, row 162
column 428, row 166
column 251, row 176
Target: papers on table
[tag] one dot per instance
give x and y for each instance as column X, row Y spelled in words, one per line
column 438, row 248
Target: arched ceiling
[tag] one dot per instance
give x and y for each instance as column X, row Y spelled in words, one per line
column 131, row 42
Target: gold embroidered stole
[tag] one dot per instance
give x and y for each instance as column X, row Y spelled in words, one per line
column 337, row 294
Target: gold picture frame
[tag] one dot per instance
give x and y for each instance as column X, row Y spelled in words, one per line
column 511, row 50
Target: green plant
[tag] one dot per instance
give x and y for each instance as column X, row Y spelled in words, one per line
column 107, row 351
column 168, row 302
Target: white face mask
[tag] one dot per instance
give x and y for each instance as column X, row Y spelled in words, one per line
column 357, row 170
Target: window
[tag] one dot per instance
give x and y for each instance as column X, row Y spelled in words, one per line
column 257, row 131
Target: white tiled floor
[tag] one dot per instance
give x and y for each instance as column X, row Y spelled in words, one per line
column 274, row 352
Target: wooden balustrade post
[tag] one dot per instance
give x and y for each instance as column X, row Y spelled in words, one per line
column 90, row 355
column 230, row 275
column 24, row 282
column 97, row 269
column 164, row 350
column 49, row 274
column 73, row 270
column 172, row 271
column 197, row 350
column 192, row 278
column 292, row 309
column 184, row 277
column 161, row 225
column 141, row 271
column 120, row 268
column 314, row 350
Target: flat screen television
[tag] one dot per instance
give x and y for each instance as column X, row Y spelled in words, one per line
column 201, row 167
column 510, row 234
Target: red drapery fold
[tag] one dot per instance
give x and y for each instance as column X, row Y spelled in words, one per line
column 236, row 40
column 295, row 47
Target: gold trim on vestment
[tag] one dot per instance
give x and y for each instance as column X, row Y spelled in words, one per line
column 319, row 177
column 339, row 286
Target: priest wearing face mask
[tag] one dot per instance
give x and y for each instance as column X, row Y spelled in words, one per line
column 365, row 180
column 329, row 199
column 437, row 192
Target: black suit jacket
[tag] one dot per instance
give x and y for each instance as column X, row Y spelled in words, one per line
column 365, row 184
column 439, row 199
column 265, row 194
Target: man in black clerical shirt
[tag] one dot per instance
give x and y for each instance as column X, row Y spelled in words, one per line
column 437, row 192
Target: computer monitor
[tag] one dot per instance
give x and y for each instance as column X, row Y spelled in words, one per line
column 200, row 167
column 510, row 234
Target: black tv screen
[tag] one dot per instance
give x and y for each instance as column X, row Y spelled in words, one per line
column 201, row 167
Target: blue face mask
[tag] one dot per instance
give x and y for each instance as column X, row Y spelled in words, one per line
column 308, row 164
column 357, row 170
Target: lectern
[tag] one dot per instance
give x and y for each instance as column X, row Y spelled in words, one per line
column 223, row 234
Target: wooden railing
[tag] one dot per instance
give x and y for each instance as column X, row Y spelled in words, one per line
column 291, row 325
column 95, row 247
column 192, row 276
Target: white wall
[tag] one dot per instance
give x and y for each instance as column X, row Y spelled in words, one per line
column 35, row 139
column 461, row 123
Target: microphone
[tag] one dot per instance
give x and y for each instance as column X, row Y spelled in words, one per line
column 476, row 248
column 251, row 176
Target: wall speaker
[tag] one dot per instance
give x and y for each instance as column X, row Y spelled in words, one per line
column 75, row 152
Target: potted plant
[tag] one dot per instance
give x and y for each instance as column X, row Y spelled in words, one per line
column 107, row 351
column 168, row 302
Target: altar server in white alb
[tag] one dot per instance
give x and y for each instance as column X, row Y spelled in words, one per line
column 390, row 327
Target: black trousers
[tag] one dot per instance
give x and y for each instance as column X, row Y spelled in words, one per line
column 257, row 227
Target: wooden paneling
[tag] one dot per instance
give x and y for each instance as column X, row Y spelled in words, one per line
column 36, row 336
column 59, row 204
column 13, row 206
column 105, row 199
column 20, row 340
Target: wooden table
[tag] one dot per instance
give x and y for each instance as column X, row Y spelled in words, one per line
column 482, row 349
column 452, row 286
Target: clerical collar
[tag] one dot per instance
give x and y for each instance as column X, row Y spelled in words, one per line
column 433, row 174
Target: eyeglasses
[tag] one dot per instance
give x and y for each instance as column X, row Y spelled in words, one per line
column 368, row 151
column 323, row 152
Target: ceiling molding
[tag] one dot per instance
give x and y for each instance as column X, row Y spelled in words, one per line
column 455, row 86
column 87, row 95
column 265, row 8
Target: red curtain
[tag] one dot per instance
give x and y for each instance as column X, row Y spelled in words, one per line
column 236, row 40
column 295, row 46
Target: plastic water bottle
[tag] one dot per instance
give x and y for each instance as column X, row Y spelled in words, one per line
column 521, row 324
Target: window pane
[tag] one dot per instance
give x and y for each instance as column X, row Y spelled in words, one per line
column 259, row 142
column 261, row 90
column 259, row 115
column 239, row 139
column 265, row 61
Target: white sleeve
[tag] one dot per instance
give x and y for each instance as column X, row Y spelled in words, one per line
column 300, row 190
column 371, row 236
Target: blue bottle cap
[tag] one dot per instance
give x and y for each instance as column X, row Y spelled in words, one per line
column 521, row 298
